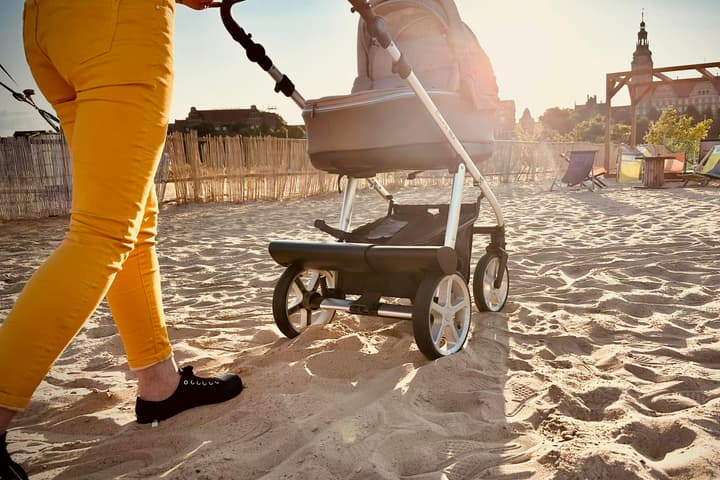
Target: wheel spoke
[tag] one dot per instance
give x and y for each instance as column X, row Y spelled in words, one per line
column 305, row 318
column 436, row 310
column 445, row 292
column 294, row 309
column 300, row 285
column 454, row 334
column 436, row 329
column 458, row 306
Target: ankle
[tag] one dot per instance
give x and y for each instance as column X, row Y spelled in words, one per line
column 5, row 416
column 157, row 382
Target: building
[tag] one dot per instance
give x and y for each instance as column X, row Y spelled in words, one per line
column 701, row 94
column 228, row 119
column 505, row 128
column 592, row 107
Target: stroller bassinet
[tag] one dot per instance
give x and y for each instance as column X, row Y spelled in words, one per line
column 382, row 126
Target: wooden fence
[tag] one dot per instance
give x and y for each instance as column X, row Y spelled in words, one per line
column 36, row 173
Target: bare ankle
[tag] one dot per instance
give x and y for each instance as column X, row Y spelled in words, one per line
column 5, row 416
column 159, row 381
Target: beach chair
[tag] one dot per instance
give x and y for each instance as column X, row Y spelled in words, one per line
column 581, row 171
column 707, row 170
column 629, row 165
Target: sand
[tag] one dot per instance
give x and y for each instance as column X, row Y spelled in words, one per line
column 605, row 363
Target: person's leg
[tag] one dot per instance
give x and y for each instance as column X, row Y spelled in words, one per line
column 121, row 107
column 136, row 305
column 116, row 128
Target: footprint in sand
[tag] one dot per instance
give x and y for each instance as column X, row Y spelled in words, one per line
column 656, row 439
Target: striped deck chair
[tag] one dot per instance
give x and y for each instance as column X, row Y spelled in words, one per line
column 707, row 170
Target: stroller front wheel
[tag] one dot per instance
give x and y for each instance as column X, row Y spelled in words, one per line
column 296, row 299
column 441, row 315
column 488, row 298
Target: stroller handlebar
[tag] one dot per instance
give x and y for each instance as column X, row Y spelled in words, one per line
column 375, row 24
column 256, row 52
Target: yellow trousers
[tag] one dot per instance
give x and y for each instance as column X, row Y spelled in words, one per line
column 107, row 68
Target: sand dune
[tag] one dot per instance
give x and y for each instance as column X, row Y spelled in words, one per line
column 605, row 364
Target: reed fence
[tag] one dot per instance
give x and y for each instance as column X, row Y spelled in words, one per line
column 36, row 172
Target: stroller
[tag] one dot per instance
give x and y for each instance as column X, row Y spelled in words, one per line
column 425, row 99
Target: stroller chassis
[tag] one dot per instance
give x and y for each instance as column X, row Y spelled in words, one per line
column 306, row 293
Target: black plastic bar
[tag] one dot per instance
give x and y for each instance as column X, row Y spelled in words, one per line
column 363, row 257
column 255, row 51
column 375, row 24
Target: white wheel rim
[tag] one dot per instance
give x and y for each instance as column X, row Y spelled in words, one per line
column 494, row 297
column 450, row 311
column 307, row 281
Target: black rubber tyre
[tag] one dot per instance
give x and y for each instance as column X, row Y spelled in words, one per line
column 291, row 307
column 442, row 312
column 487, row 297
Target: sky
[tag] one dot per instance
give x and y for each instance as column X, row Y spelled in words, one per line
column 545, row 53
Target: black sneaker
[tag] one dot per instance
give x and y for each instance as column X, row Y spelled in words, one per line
column 191, row 392
column 9, row 470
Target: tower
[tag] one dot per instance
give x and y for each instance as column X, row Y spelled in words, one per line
column 642, row 56
column 640, row 82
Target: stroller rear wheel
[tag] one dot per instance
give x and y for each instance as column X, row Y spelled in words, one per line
column 488, row 298
column 441, row 314
column 297, row 297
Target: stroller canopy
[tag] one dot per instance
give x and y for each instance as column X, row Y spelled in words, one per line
column 442, row 50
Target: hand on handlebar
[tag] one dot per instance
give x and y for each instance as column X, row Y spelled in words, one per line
column 199, row 4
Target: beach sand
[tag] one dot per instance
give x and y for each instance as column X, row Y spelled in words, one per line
column 605, row 363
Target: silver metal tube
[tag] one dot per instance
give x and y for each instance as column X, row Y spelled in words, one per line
column 347, row 204
column 450, row 135
column 453, row 220
column 375, row 183
column 385, row 310
column 277, row 75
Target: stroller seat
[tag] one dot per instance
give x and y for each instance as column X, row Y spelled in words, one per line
column 382, row 125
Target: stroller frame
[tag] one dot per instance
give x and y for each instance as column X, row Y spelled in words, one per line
column 441, row 307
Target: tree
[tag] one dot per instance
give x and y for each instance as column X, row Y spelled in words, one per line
column 296, row 131
column 692, row 111
column 558, row 119
column 642, row 125
column 620, row 133
column 714, row 132
column 679, row 133
column 526, row 121
column 591, row 130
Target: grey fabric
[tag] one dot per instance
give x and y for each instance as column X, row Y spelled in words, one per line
column 382, row 126
column 441, row 49
column 385, row 130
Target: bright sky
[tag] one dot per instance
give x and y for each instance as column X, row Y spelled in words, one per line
column 546, row 53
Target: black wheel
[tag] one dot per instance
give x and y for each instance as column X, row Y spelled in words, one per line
column 441, row 315
column 487, row 297
column 292, row 300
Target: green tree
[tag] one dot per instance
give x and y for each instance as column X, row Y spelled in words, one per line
column 653, row 114
column 692, row 111
column 561, row 120
column 620, row 133
column 296, row 131
column 679, row 133
column 591, row 130
column 642, row 125
column 714, row 133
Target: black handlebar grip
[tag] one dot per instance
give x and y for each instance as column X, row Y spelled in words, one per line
column 375, row 25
